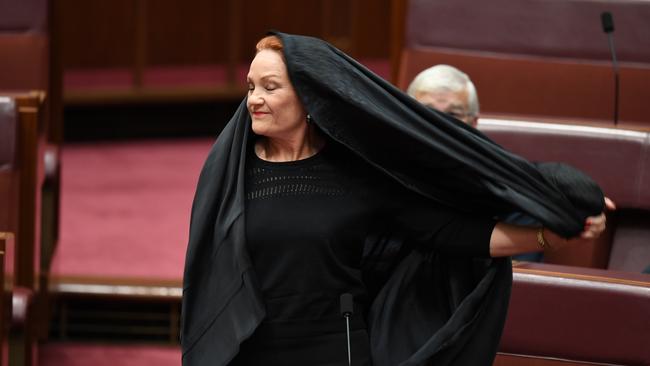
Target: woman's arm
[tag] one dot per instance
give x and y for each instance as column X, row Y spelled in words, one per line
column 508, row 240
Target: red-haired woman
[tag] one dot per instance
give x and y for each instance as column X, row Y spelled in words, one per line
column 329, row 181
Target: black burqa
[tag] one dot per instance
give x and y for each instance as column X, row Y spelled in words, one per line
column 432, row 309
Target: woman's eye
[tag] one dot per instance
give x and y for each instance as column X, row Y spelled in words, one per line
column 271, row 87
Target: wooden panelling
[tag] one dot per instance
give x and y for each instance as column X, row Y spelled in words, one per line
column 105, row 34
column 191, row 32
column 97, row 33
column 150, row 50
column 55, row 87
column 291, row 16
column 336, row 22
column 358, row 27
column 397, row 26
column 372, row 24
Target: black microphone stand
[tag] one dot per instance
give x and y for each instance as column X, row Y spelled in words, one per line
column 608, row 27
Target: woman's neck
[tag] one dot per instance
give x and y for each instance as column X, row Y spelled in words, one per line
column 290, row 149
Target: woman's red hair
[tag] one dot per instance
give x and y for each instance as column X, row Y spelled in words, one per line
column 269, row 43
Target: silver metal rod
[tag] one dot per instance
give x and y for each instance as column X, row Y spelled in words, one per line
column 347, row 322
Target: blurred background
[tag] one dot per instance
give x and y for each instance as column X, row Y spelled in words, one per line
column 108, row 109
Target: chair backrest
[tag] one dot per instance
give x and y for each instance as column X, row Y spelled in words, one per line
column 31, row 61
column 23, row 15
column 24, row 41
column 581, row 315
column 22, row 180
column 8, row 202
column 25, row 64
column 617, row 159
column 535, row 57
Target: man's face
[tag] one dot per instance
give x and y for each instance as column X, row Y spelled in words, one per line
column 456, row 104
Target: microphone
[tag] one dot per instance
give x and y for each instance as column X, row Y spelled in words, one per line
column 607, row 22
column 347, row 308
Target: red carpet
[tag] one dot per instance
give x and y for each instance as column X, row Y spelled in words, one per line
column 125, row 208
column 71, row 354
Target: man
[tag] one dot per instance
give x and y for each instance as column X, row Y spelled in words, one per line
column 448, row 90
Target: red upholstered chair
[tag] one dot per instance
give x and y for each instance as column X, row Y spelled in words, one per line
column 548, row 60
column 27, row 63
column 617, row 159
column 21, row 176
column 24, row 61
column 570, row 316
column 24, row 43
column 532, row 58
column 7, row 200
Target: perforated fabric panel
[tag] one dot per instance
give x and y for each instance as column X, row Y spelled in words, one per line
column 267, row 183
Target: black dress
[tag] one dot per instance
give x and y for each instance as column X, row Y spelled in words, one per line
column 307, row 222
column 440, row 310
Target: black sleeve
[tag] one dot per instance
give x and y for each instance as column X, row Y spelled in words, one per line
column 433, row 227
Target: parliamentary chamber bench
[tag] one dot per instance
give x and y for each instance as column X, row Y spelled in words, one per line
column 545, row 83
column 543, row 74
column 617, row 159
column 533, row 58
column 588, row 303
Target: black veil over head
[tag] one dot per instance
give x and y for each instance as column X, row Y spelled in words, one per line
column 429, row 151
column 432, row 309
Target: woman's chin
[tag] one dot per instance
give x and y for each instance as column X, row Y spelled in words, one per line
column 257, row 126
column 260, row 128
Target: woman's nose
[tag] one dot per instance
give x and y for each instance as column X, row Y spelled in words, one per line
column 254, row 98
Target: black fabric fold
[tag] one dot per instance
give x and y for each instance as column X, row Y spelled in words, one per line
column 429, row 309
column 427, row 151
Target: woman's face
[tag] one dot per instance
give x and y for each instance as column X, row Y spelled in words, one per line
column 272, row 102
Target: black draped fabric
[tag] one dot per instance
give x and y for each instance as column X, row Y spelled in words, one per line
column 430, row 309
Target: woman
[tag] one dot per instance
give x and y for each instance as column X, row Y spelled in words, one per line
column 329, row 181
